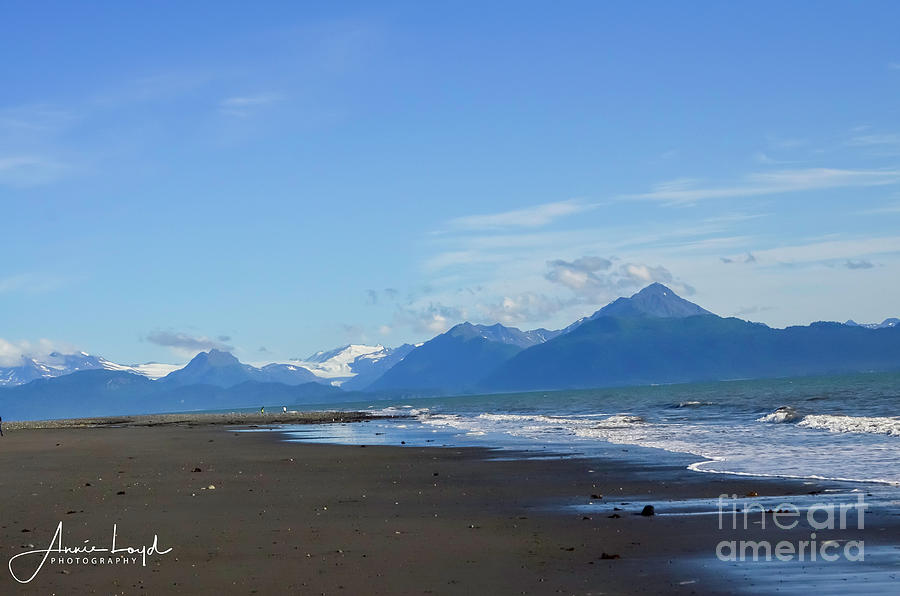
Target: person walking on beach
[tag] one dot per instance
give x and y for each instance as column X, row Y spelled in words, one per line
column 1, row 426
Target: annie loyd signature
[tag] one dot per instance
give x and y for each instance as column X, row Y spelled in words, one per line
column 56, row 548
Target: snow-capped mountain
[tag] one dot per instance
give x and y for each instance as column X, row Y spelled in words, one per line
column 885, row 324
column 57, row 364
column 222, row 369
column 339, row 361
column 353, row 366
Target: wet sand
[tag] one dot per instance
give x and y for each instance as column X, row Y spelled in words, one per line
column 288, row 518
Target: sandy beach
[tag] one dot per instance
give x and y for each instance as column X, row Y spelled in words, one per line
column 247, row 513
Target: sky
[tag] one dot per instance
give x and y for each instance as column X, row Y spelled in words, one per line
column 281, row 178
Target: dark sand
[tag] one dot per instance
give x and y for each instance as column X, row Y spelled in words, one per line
column 288, row 518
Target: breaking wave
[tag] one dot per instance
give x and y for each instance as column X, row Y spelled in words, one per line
column 840, row 423
column 853, row 424
column 784, row 414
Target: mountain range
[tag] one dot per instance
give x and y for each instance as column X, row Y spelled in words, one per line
column 352, row 366
column 456, row 360
column 57, row 364
column 654, row 336
column 891, row 322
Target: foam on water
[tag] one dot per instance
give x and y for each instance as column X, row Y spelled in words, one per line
column 853, row 424
column 842, row 423
column 781, row 415
column 729, row 446
column 844, row 428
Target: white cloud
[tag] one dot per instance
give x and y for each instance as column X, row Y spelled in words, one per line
column 432, row 319
column 12, row 352
column 530, row 217
column 685, row 191
column 594, row 279
column 521, row 308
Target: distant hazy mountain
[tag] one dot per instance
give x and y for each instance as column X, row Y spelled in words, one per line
column 84, row 393
column 289, row 374
column 222, row 369
column 657, row 340
column 456, row 360
column 892, row 322
column 513, row 336
column 110, row 393
column 217, row 368
column 654, row 336
column 58, row 364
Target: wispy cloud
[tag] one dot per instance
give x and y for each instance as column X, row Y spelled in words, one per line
column 34, row 120
column 786, row 142
column 30, row 283
column 431, row 318
column 524, row 307
column 23, row 171
column 766, row 159
column 751, row 310
column 747, row 258
column 245, row 105
column 376, row 296
column 682, row 191
column 597, row 278
column 151, row 88
column 892, row 208
column 858, row 264
column 529, row 217
column 874, row 139
column 830, row 249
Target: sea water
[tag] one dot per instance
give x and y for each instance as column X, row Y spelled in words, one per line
column 840, row 428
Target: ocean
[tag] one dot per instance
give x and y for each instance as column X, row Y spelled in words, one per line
column 839, row 428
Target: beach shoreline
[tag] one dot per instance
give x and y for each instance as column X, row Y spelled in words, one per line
column 248, row 512
column 196, row 419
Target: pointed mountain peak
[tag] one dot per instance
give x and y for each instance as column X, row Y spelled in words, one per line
column 214, row 358
column 655, row 289
column 656, row 300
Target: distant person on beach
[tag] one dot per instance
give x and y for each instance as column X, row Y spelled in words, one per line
column 262, row 410
column 284, row 409
column 1, row 426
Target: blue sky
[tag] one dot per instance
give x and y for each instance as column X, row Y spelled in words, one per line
column 290, row 177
